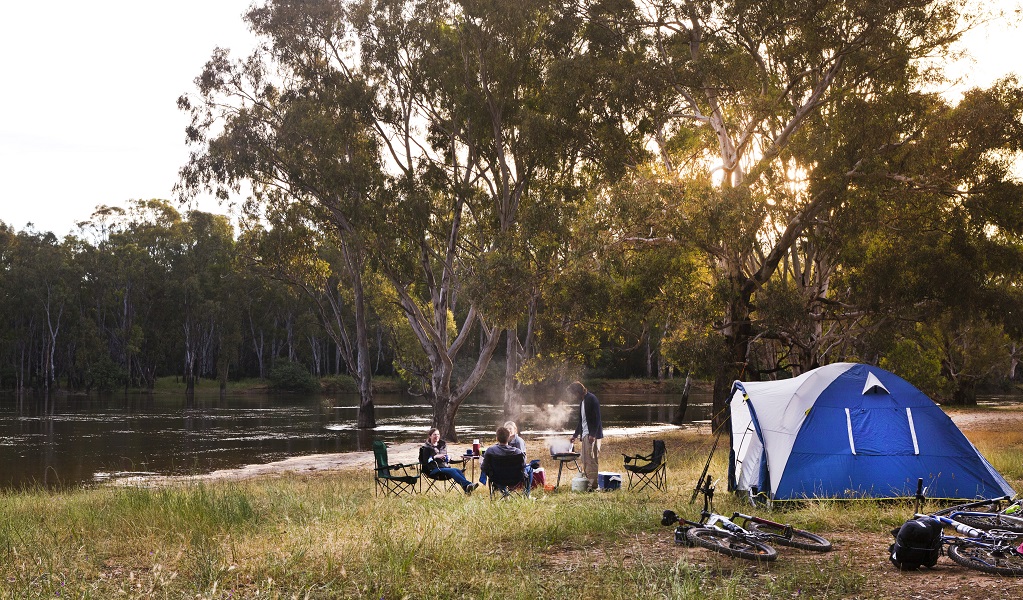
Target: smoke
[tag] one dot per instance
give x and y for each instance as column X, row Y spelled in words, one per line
column 559, row 445
column 554, row 417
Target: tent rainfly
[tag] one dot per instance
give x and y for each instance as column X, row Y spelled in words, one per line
column 849, row 430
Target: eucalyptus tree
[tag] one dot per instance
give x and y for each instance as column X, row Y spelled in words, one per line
column 295, row 123
column 201, row 282
column 128, row 273
column 415, row 128
column 297, row 252
column 22, row 324
column 749, row 79
column 48, row 277
column 937, row 239
column 538, row 91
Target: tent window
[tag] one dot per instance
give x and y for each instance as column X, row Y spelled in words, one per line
column 881, row 432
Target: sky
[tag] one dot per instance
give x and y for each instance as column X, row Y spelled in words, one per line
column 88, row 111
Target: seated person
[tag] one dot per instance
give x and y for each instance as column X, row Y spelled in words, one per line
column 433, row 458
column 502, row 448
column 515, row 440
column 520, row 443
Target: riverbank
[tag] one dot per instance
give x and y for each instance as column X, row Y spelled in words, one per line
column 341, row 384
column 291, row 531
column 978, row 422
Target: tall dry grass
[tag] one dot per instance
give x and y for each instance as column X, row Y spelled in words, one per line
column 328, row 536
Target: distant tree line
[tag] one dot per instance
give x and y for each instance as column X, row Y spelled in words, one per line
column 730, row 189
column 146, row 292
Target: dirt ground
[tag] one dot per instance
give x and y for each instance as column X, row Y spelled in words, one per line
column 867, row 551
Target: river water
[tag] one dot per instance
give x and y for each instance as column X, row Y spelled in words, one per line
column 85, row 440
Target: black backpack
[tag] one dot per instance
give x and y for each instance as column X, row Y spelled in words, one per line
column 917, row 544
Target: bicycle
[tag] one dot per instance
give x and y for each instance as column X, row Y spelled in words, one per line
column 988, row 514
column 722, row 534
column 988, row 551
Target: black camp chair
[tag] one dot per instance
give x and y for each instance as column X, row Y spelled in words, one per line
column 437, row 481
column 387, row 481
column 649, row 470
column 505, row 474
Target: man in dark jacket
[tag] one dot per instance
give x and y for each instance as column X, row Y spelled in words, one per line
column 589, row 431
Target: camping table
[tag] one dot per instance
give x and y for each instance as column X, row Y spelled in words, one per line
column 472, row 459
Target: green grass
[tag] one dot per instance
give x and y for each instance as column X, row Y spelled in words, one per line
column 328, row 536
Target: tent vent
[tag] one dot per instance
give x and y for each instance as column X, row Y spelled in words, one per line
column 874, row 386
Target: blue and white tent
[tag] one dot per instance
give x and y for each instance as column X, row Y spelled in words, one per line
column 849, row 430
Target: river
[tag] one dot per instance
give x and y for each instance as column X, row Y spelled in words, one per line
column 76, row 440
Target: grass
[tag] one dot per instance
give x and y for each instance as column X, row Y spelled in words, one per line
column 328, row 536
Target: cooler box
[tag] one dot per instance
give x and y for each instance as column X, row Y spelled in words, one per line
column 607, row 481
column 539, row 479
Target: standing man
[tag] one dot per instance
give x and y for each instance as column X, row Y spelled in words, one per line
column 589, row 432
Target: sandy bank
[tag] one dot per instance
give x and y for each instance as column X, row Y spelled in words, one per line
column 408, row 452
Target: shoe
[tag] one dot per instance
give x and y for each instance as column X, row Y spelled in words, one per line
column 469, row 488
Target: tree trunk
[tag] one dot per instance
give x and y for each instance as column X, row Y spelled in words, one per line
column 444, row 407
column 738, row 332
column 366, row 417
column 511, row 369
column 683, row 403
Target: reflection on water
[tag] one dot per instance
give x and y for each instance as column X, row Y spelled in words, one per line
column 69, row 441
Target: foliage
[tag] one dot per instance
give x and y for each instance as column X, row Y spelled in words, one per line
column 610, row 188
column 292, row 377
column 907, row 359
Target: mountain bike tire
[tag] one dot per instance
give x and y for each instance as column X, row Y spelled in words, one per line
column 986, row 560
column 804, row 540
column 993, row 521
column 991, row 507
column 728, row 544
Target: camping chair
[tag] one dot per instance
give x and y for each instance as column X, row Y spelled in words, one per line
column 389, row 483
column 648, row 470
column 505, row 474
column 439, row 481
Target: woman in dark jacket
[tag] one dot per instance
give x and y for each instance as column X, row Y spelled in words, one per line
column 433, row 458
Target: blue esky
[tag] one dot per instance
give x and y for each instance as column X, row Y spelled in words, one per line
column 88, row 102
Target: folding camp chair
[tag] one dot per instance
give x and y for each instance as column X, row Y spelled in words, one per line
column 387, row 481
column 650, row 470
column 439, row 481
column 505, row 474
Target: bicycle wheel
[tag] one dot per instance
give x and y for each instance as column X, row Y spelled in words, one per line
column 730, row 545
column 804, row 540
column 987, row 560
column 993, row 521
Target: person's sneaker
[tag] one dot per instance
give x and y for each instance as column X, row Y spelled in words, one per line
column 469, row 488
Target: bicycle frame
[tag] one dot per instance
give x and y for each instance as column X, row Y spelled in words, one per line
column 709, row 518
column 1003, row 542
column 963, row 508
column 970, row 532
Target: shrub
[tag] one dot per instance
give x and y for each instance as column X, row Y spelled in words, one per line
column 292, row 377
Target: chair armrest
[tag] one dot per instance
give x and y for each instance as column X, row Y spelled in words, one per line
column 404, row 467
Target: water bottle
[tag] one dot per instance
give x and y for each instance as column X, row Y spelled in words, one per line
column 476, row 447
column 968, row 531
